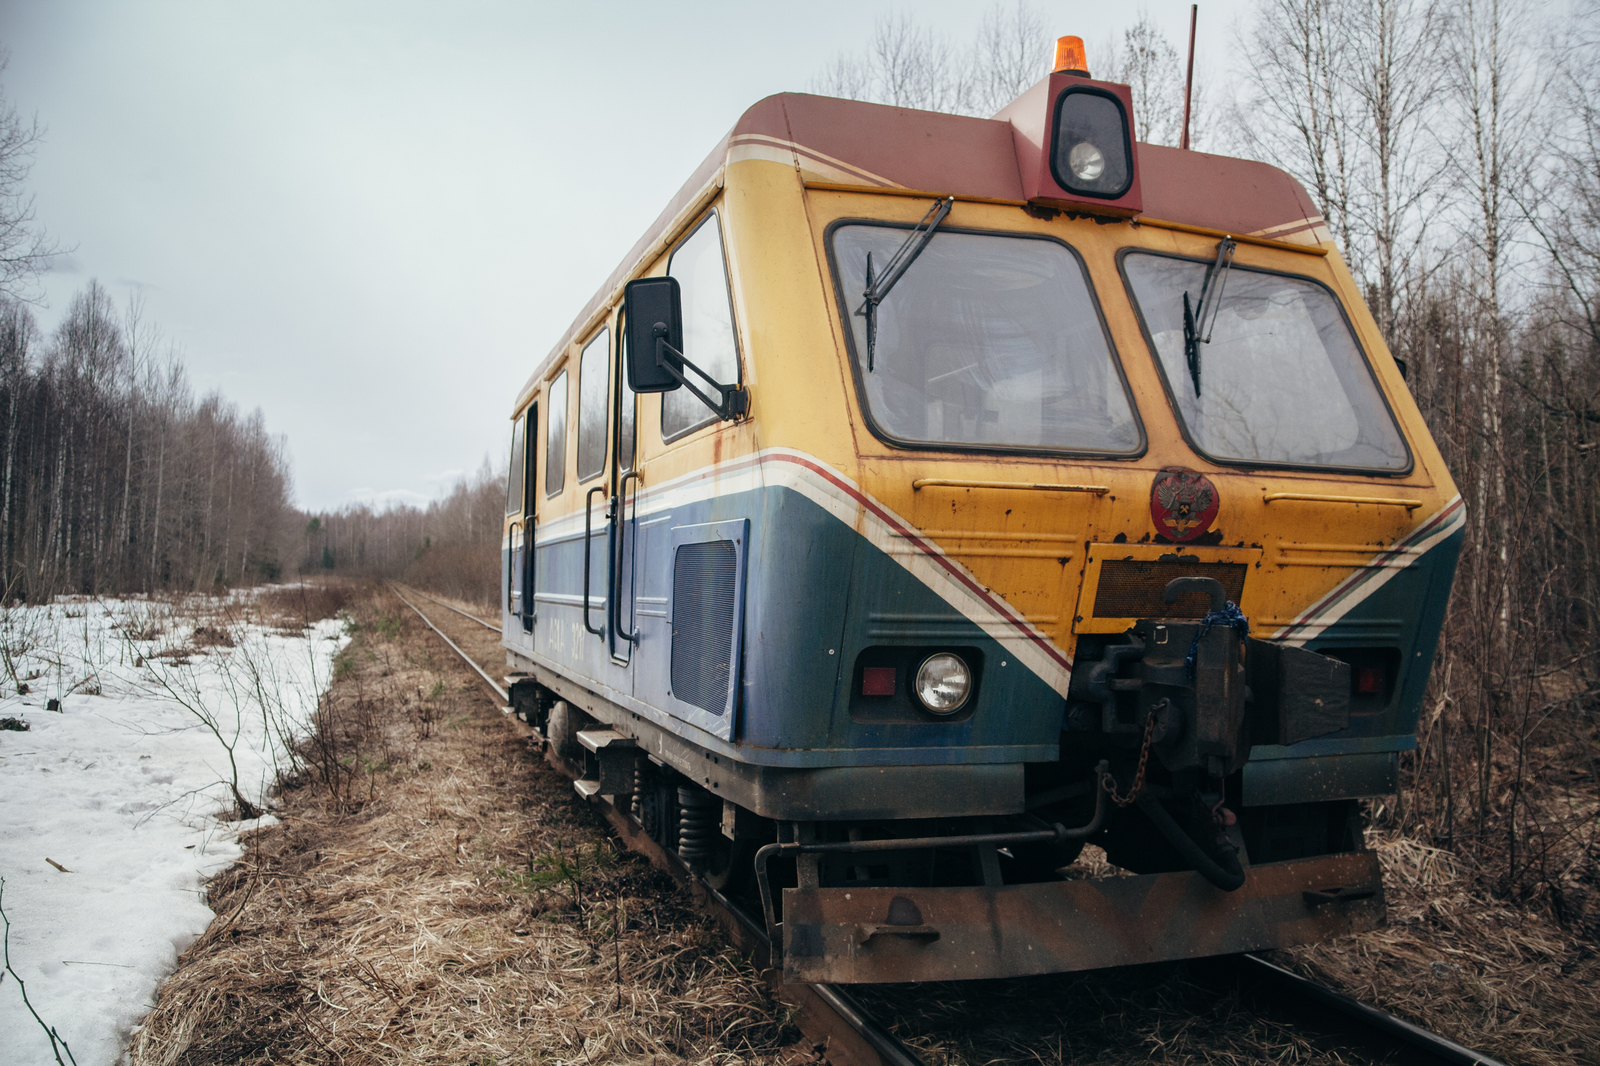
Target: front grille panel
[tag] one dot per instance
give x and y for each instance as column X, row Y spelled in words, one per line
column 704, row 598
column 1136, row 588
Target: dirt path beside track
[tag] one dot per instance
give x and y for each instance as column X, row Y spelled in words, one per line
column 436, row 893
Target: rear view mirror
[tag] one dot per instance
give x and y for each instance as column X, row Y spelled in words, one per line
column 650, row 303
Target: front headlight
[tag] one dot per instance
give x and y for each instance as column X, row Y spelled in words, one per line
column 1091, row 150
column 1087, row 162
column 943, row 683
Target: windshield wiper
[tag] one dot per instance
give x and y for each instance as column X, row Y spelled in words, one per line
column 1199, row 322
column 878, row 289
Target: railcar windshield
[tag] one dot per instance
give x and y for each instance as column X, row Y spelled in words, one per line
column 987, row 341
column 1282, row 380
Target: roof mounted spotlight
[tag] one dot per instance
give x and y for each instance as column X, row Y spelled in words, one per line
column 1075, row 139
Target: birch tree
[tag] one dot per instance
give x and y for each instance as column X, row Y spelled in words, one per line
column 25, row 248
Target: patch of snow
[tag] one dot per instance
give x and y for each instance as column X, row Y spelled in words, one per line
column 124, row 788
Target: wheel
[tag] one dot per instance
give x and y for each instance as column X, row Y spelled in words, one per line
column 562, row 733
column 731, row 868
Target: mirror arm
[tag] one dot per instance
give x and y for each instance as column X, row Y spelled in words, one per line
column 735, row 401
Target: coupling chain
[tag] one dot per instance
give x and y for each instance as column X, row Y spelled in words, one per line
column 1110, row 782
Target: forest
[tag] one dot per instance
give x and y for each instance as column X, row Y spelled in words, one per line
column 114, row 477
column 451, row 546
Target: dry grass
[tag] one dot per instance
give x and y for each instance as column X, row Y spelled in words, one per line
column 1503, row 978
column 461, row 906
column 437, row 894
column 466, row 573
column 293, row 607
column 212, row 636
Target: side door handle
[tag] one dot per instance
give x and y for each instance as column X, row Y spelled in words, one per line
column 617, row 627
column 588, row 533
column 515, row 594
column 529, row 568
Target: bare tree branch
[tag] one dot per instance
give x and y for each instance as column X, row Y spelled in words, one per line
column 26, row 250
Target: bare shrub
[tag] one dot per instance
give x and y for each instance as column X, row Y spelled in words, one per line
column 466, row 572
column 298, row 606
column 213, row 637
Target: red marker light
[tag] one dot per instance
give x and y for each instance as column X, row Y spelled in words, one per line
column 1369, row 681
column 878, row 681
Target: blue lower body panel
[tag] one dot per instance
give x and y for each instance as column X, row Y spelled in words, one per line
column 812, row 595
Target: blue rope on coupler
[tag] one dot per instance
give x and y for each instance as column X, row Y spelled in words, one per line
column 1230, row 615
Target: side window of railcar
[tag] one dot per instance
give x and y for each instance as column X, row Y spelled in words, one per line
column 708, row 338
column 514, row 479
column 625, row 438
column 1282, row 380
column 555, row 441
column 988, row 341
column 594, row 378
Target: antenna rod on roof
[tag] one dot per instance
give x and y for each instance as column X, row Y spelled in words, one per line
column 1188, row 81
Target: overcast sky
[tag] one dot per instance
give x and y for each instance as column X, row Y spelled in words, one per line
column 372, row 219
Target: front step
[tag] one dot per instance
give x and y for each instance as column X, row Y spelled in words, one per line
column 511, row 681
column 608, row 763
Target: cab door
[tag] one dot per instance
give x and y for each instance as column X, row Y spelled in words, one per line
column 606, row 478
column 521, row 506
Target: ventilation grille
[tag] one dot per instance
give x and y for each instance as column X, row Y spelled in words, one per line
column 704, row 587
column 1137, row 588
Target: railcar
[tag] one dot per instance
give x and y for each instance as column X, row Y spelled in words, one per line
column 924, row 497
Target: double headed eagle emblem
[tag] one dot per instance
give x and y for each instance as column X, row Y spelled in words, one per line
column 1183, row 503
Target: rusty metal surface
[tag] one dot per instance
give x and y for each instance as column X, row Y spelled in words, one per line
column 1063, row 926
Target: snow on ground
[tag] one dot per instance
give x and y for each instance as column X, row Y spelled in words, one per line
column 124, row 787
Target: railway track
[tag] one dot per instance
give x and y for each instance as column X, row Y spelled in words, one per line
column 832, row 1018
column 828, row 1016
column 451, row 607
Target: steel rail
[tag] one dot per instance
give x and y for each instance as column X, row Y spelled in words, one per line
column 505, row 697
column 1397, row 1029
column 457, row 610
column 842, row 1003
column 894, row 1053
column 888, row 1048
